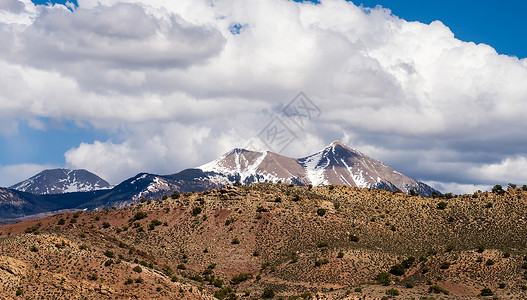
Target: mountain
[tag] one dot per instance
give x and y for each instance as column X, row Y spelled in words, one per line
column 261, row 240
column 14, row 204
column 58, row 181
column 336, row 164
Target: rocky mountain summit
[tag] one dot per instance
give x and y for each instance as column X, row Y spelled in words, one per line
column 336, row 164
column 59, row 181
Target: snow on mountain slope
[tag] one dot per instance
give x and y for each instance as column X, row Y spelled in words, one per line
column 57, row 181
column 335, row 164
column 249, row 166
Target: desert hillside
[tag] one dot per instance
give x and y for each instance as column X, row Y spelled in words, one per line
column 275, row 241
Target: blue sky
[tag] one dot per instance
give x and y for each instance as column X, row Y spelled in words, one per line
column 500, row 24
column 86, row 90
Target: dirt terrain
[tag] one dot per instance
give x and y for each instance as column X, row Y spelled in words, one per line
column 275, row 241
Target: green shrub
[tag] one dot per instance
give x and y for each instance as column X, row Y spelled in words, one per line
column 196, row 278
column 196, row 211
column 354, row 238
column 431, row 252
column 480, row 249
column 449, row 248
column 108, row 263
column 397, row 270
column 407, row 263
column 140, row 215
column 268, row 293
column 156, row 222
column 175, row 195
column 437, row 290
column 383, row 278
column 392, row 292
column 181, row 267
column 498, row 189
column 340, row 254
column 218, row 283
column 137, row 269
column 106, row 225
column 225, row 293
column 61, row 222
column 441, row 205
column 358, row 289
column 139, row 280
column 241, row 278
column 321, row 212
column 93, row 277
column 109, row 254
column 322, row 244
column 235, row 241
column 294, row 258
column 445, row 265
column 321, row 262
column 18, row 292
column 489, row 262
column 486, row 292
column 33, row 249
column 409, row 285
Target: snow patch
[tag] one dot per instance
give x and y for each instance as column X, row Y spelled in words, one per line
column 315, row 171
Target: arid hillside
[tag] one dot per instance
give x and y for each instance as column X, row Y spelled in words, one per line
column 275, row 241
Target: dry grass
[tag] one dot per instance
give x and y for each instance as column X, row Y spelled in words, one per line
column 280, row 243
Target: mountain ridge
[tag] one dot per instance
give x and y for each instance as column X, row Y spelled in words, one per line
column 61, row 180
column 335, row 164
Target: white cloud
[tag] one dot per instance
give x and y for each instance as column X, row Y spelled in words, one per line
column 174, row 87
column 510, row 170
column 13, row 6
column 13, row 174
column 456, row 188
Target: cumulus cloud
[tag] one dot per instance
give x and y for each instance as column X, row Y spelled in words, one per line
column 13, row 6
column 175, row 86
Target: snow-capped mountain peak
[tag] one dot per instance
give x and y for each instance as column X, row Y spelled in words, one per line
column 334, row 164
column 58, row 181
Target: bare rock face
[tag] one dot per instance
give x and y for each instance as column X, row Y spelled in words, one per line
column 336, row 164
column 11, row 271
